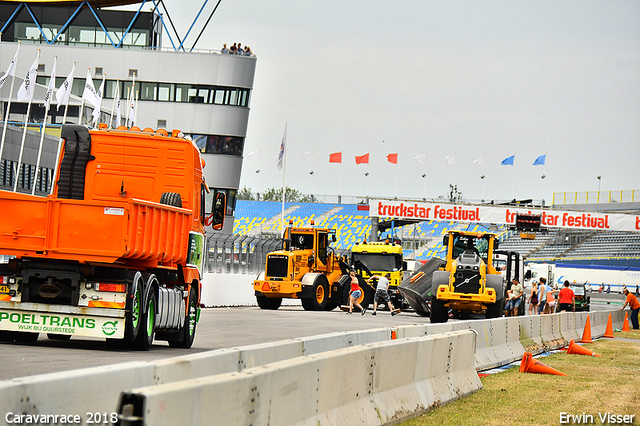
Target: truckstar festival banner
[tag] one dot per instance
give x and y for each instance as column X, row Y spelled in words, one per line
column 503, row 215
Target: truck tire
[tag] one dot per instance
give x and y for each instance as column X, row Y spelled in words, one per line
column 144, row 339
column 318, row 301
column 171, row 199
column 188, row 330
column 133, row 316
column 439, row 312
column 270, row 303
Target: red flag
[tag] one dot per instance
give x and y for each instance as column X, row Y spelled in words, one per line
column 393, row 158
column 336, row 157
column 362, row 159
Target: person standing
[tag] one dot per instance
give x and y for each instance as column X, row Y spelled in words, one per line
column 382, row 292
column 542, row 295
column 566, row 298
column 533, row 299
column 355, row 293
column 634, row 305
column 515, row 295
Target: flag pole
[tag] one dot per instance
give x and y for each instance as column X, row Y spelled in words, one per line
column 6, row 117
column 284, row 176
column 64, row 121
column 113, row 107
column 135, row 113
column 126, row 121
column 24, row 133
column 47, row 104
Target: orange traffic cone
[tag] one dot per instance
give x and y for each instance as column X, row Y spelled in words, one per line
column 625, row 326
column 576, row 349
column 531, row 365
column 586, row 334
column 609, row 331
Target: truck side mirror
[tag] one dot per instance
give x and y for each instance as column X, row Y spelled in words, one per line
column 218, row 210
column 404, row 265
column 445, row 240
column 496, row 244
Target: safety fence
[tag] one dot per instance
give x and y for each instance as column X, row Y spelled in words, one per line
column 370, row 377
column 242, row 254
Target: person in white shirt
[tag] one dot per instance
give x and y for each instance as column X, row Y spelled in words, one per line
column 383, row 293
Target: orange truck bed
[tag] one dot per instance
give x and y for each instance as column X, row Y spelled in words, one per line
column 126, row 231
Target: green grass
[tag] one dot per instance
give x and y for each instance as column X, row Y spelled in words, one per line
column 594, row 385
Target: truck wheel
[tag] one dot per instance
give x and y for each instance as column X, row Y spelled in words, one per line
column 171, row 199
column 134, row 310
column 439, row 312
column 270, row 303
column 144, row 339
column 188, row 330
column 495, row 310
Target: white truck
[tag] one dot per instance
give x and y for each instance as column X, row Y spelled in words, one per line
column 593, row 276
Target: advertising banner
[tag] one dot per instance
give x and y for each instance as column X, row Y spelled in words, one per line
column 503, row 215
column 60, row 323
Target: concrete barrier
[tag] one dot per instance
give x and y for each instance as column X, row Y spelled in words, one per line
column 374, row 384
column 500, row 341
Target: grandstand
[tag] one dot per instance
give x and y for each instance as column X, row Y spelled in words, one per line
column 423, row 240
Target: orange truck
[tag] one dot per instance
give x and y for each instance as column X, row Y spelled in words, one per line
column 117, row 250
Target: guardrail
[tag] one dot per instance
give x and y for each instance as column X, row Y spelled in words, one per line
column 142, row 384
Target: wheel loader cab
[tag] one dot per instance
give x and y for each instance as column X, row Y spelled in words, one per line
column 301, row 241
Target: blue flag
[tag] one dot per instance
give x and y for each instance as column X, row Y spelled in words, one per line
column 540, row 160
column 508, row 161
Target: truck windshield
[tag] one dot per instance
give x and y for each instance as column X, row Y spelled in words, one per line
column 377, row 262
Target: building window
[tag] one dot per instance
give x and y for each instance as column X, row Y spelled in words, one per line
column 98, row 70
column 162, row 124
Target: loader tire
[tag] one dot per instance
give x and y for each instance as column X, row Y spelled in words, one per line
column 439, row 312
column 495, row 310
column 269, row 303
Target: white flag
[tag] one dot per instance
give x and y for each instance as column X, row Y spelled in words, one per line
column 62, row 95
column 52, row 85
column 132, row 111
column 11, row 69
column 96, row 110
column 280, row 156
column 421, row 158
column 117, row 98
column 451, row 159
column 251, row 155
column 25, row 92
column 308, row 156
column 479, row 162
column 89, row 94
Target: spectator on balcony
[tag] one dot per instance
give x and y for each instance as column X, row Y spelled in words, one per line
column 224, row 49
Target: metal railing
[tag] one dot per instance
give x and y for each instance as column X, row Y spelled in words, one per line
column 242, row 254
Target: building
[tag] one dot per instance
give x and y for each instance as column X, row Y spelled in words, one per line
column 205, row 94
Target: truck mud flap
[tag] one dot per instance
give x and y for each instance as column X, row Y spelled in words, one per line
column 417, row 289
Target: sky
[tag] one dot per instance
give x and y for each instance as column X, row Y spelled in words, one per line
column 469, row 79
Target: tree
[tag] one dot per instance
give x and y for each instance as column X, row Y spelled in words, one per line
column 245, row 194
column 454, row 196
column 293, row 196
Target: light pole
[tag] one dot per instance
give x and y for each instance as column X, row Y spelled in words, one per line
column 258, row 191
column 482, row 177
column 366, row 174
column 543, row 188
column 599, row 180
column 312, row 197
column 424, row 189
